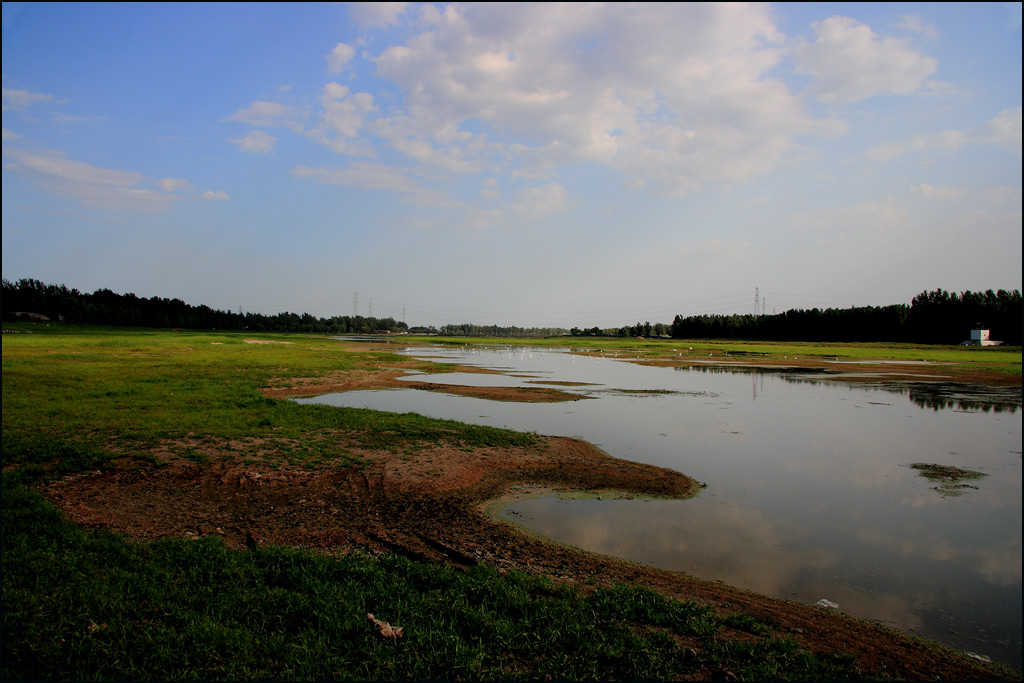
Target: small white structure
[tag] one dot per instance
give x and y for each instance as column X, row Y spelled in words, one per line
column 980, row 338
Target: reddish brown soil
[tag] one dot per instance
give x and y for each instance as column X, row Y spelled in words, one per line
column 352, row 380
column 430, row 506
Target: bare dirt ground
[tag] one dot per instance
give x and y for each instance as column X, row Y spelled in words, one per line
column 431, row 506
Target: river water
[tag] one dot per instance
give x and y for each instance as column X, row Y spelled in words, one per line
column 810, row 494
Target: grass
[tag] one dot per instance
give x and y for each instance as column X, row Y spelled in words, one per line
column 92, row 605
column 129, row 392
column 949, row 480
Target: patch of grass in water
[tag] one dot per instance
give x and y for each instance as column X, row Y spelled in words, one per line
column 642, row 392
column 948, row 478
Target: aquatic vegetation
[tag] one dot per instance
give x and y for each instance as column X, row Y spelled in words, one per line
column 949, row 479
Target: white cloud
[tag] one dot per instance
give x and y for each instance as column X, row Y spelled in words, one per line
column 915, row 24
column 376, row 14
column 70, row 118
column 533, row 87
column 18, row 100
column 343, row 119
column 218, row 196
column 10, row 135
column 1001, row 194
column 446, row 147
column 1003, row 130
column 850, row 63
column 345, row 113
column 374, row 176
column 536, row 203
column 926, row 190
column 339, row 57
column 173, row 184
column 678, row 98
column 264, row 113
column 946, row 141
column 843, row 223
column 256, row 142
column 532, row 204
column 481, row 220
column 93, row 186
column 489, row 189
column 936, row 88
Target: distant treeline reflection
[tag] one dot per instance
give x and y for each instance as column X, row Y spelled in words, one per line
column 934, row 395
column 959, row 397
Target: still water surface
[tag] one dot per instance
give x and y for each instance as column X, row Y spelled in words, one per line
column 809, row 490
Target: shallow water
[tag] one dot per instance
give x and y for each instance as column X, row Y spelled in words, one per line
column 809, row 490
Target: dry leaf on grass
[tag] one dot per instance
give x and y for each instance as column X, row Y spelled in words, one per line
column 386, row 629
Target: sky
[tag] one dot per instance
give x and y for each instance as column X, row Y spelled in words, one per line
column 540, row 165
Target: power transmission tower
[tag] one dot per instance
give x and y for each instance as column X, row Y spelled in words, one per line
column 757, row 300
column 355, row 305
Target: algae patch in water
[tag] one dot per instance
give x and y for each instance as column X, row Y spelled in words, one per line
column 949, row 479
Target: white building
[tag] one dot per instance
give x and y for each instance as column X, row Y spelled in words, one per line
column 980, row 338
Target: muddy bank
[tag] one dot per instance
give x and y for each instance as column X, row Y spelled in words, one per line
column 391, row 378
column 396, row 501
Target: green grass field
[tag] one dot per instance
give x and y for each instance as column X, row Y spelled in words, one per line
column 90, row 394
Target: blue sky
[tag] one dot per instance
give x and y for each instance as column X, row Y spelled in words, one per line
column 539, row 165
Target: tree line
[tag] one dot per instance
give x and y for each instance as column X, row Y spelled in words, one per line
column 474, row 330
column 28, row 298
column 935, row 317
